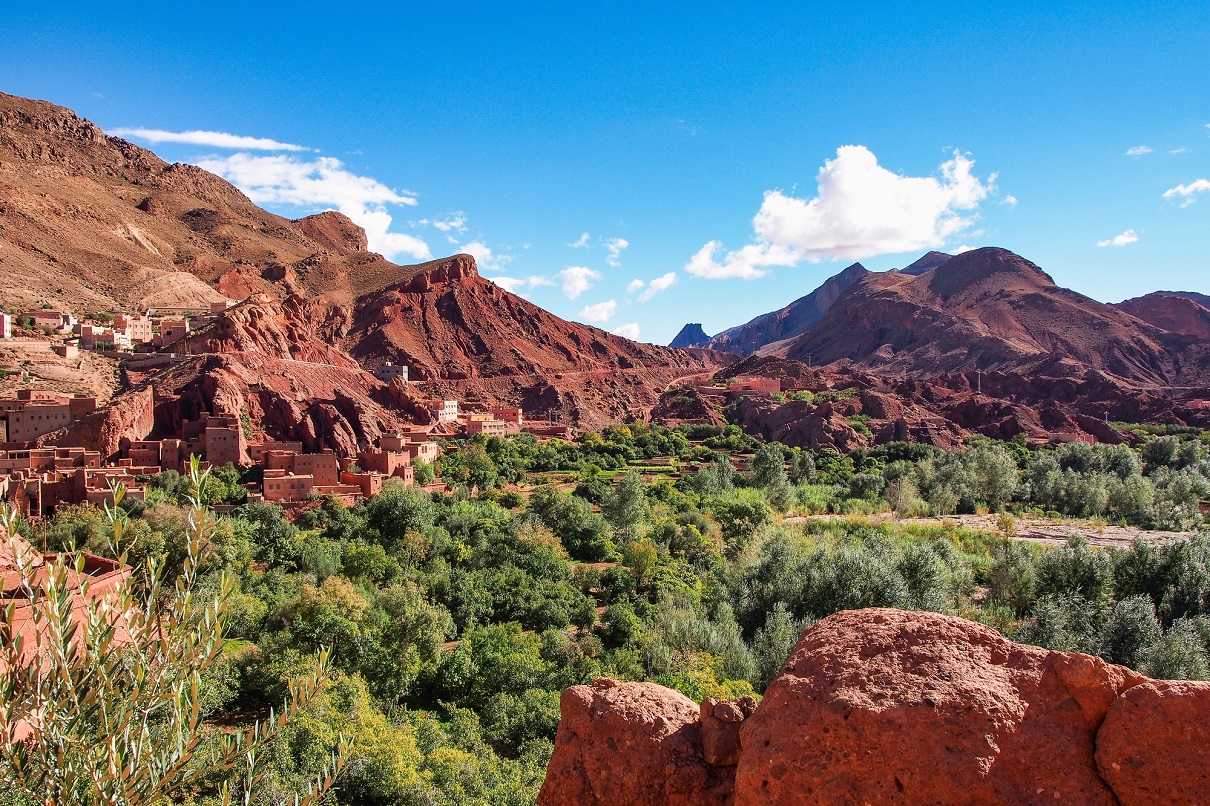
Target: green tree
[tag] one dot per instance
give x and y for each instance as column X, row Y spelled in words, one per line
column 626, row 507
column 110, row 710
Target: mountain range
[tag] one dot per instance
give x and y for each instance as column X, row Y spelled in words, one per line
column 983, row 310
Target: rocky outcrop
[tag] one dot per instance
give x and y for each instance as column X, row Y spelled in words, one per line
column 886, row 706
column 1154, row 746
column 631, row 744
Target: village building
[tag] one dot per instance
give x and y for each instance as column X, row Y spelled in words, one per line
column 66, row 350
column 487, row 425
column 172, row 331
column 93, row 337
column 94, row 578
column 446, row 411
column 6, row 326
column 136, row 329
column 219, row 438
column 509, row 415
column 416, row 444
column 755, row 385
column 33, row 413
column 55, row 320
column 389, row 372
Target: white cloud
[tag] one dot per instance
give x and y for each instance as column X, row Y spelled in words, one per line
column 615, row 247
column 577, row 279
column 211, row 139
column 1127, row 237
column 322, row 183
column 661, row 283
column 861, row 210
column 747, row 263
column 1138, row 151
column 580, row 242
column 1179, row 151
column 515, row 285
column 630, row 330
column 484, row 257
column 455, row 222
column 1188, row 192
column 963, row 248
column 1009, row 201
column 599, row 312
column 635, row 286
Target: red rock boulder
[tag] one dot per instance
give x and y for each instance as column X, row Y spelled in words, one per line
column 1154, row 746
column 886, row 706
column 630, row 744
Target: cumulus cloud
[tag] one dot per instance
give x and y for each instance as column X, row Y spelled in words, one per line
column 577, row 279
column 635, row 286
column 861, row 209
column 661, row 283
column 1127, row 237
column 210, row 139
column 1138, row 151
column 1009, row 201
column 580, row 242
column 748, row 263
column 322, row 183
column 1188, row 192
column 455, row 222
column 615, row 246
column 516, row 285
column 630, row 330
column 599, row 312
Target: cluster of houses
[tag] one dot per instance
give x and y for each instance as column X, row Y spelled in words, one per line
column 39, row 480
column 154, row 329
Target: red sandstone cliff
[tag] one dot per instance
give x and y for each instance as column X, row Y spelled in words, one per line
column 885, row 706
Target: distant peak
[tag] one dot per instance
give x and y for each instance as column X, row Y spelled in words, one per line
column 691, row 335
column 926, row 263
column 976, row 266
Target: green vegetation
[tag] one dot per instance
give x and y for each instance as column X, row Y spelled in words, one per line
column 452, row 622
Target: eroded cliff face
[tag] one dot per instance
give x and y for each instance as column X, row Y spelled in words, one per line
column 886, row 706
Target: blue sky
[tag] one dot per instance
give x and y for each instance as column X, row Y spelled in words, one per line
column 740, row 154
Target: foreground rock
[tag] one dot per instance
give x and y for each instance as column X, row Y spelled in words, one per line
column 889, row 706
column 637, row 744
column 885, row 706
column 1154, row 747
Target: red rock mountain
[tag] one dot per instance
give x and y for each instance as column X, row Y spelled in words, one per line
column 464, row 335
column 886, row 706
column 90, row 222
column 770, row 329
column 990, row 309
column 1177, row 311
